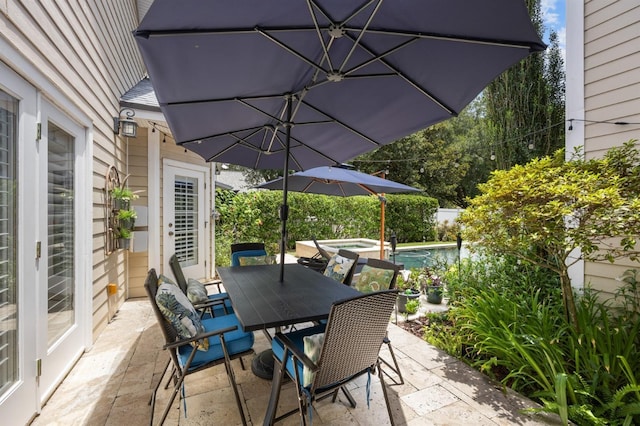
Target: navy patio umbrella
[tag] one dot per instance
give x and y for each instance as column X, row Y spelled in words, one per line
column 294, row 84
column 342, row 182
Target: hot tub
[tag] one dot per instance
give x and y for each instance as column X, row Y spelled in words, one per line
column 363, row 246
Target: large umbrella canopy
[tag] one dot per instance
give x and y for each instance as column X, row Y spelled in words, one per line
column 338, row 181
column 298, row 84
column 342, row 182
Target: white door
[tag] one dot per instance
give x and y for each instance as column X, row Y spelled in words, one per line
column 185, row 222
column 18, row 392
column 59, row 298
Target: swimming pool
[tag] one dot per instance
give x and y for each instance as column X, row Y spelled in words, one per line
column 421, row 256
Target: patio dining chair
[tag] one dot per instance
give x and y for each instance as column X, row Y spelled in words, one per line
column 342, row 266
column 216, row 304
column 248, row 253
column 193, row 344
column 321, row 360
column 377, row 275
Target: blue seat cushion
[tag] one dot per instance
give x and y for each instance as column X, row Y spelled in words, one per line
column 235, row 257
column 297, row 337
column 237, row 341
column 219, row 310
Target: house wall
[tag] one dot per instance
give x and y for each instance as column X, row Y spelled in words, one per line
column 85, row 50
column 611, row 93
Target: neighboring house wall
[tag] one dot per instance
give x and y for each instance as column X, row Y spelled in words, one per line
column 610, row 92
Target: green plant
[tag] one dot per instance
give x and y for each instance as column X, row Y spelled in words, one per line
column 542, row 211
column 123, row 193
column 124, row 233
column 127, row 215
column 411, row 307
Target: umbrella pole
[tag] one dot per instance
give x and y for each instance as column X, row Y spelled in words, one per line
column 382, row 206
column 284, row 208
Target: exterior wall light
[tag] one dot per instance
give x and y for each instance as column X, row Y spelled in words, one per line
column 125, row 126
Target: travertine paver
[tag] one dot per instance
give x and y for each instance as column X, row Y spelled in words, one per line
column 111, row 385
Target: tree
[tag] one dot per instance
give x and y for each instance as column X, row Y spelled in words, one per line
column 540, row 212
column 525, row 104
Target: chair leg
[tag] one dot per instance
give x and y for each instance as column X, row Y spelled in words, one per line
column 232, row 379
column 395, row 367
column 384, row 392
column 152, row 400
column 276, row 384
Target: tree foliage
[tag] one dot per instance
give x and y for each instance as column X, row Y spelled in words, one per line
column 542, row 211
column 525, row 104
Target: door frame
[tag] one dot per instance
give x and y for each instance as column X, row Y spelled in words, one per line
column 66, row 357
column 206, row 209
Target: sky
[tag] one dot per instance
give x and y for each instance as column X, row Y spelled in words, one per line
column 554, row 17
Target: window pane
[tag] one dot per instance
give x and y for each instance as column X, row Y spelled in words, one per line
column 8, row 247
column 186, row 220
column 60, row 233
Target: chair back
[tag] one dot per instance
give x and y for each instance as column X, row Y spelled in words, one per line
column 239, row 250
column 348, row 276
column 353, row 336
column 174, row 264
column 170, row 334
column 325, row 254
column 385, row 264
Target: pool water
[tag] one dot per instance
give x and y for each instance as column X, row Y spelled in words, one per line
column 351, row 246
column 422, row 257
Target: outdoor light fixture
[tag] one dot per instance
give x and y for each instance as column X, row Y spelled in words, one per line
column 126, row 126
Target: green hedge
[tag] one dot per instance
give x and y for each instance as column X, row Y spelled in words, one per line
column 253, row 216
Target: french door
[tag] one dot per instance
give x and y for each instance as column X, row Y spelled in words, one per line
column 185, row 220
column 41, row 334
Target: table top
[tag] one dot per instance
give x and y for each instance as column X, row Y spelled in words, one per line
column 261, row 301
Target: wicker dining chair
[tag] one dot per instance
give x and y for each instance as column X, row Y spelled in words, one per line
column 350, row 345
column 226, row 341
column 347, row 277
column 379, row 275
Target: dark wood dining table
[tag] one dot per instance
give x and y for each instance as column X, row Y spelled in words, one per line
column 261, row 301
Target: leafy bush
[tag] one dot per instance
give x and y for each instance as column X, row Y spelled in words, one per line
column 253, row 216
column 518, row 332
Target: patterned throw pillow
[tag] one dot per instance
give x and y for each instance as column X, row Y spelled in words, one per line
column 338, row 267
column 196, row 291
column 257, row 260
column 177, row 309
column 373, row 279
column 312, row 349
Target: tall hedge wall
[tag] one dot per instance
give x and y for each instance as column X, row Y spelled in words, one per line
column 253, row 216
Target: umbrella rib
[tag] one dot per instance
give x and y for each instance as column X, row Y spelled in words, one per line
column 351, row 129
column 319, row 33
column 290, row 50
column 422, row 90
column 362, row 33
column 454, row 38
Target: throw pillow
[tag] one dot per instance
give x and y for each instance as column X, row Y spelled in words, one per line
column 252, row 260
column 373, row 279
column 177, row 309
column 196, row 291
column 312, row 349
column 338, row 267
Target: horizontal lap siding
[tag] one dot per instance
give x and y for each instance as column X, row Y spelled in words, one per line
column 612, row 93
column 85, row 49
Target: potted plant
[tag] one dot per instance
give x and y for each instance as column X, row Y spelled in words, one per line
column 123, row 235
column 122, row 197
column 433, row 286
column 411, row 307
column 407, row 284
column 126, row 218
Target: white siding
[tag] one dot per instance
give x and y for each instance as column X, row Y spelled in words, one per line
column 611, row 93
column 86, row 51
